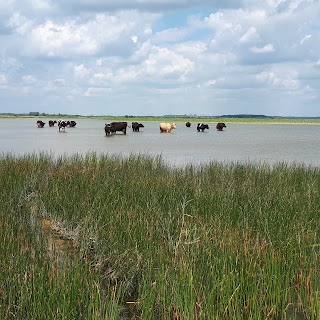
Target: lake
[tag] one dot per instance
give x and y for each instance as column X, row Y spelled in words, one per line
column 258, row 143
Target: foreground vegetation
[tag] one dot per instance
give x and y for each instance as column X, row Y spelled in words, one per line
column 140, row 240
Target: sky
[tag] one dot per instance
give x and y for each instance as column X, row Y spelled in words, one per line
column 160, row 57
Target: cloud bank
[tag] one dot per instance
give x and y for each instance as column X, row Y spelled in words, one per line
column 152, row 57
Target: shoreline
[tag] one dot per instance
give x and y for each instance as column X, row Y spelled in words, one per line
column 295, row 121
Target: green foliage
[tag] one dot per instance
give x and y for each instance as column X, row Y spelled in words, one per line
column 236, row 241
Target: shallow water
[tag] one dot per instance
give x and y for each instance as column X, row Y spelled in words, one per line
column 270, row 143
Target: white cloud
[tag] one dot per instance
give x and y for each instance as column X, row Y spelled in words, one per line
column 191, row 49
column 20, row 23
column 147, row 31
column 29, row 79
column 294, row 4
column 219, row 21
column 250, row 36
column 143, row 49
column 163, row 62
column 41, row 5
column 3, row 79
column 102, row 78
column 80, row 71
column 96, row 92
column 170, row 35
column 102, row 33
column 305, row 38
column 6, row 6
column 266, row 49
column 134, row 39
column 280, row 76
column 63, row 39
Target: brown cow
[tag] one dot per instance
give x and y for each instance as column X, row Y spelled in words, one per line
column 136, row 126
column 113, row 127
column 220, row 126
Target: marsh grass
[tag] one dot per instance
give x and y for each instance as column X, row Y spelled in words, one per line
column 236, row 241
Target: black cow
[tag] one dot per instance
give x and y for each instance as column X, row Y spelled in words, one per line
column 62, row 125
column 40, row 124
column 220, row 126
column 113, row 127
column 107, row 129
column 71, row 124
column 52, row 122
column 136, row 126
column 202, row 126
column 188, row 124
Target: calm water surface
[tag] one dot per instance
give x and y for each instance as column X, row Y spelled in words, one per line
column 270, row 143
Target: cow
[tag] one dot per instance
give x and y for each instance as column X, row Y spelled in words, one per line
column 167, row 127
column 40, row 124
column 136, row 126
column 188, row 124
column 62, row 125
column 202, row 126
column 107, row 129
column 71, row 124
column 52, row 122
column 220, row 126
column 113, row 127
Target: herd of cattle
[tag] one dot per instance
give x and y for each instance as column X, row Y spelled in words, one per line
column 113, row 127
column 62, row 124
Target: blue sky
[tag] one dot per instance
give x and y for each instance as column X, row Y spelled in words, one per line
column 156, row 57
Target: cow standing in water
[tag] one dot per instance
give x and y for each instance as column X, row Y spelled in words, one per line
column 62, row 125
column 202, row 126
column 113, row 127
column 107, row 129
column 71, row 124
column 136, row 126
column 220, row 126
column 167, row 127
column 40, row 124
column 52, row 122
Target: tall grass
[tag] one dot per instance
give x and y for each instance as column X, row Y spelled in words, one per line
column 218, row 241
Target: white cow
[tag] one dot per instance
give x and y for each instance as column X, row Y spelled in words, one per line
column 167, row 127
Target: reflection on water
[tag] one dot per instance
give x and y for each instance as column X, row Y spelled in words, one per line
column 269, row 143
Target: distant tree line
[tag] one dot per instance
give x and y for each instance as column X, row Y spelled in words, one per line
column 190, row 116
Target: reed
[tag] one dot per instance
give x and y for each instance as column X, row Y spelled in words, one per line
column 148, row 241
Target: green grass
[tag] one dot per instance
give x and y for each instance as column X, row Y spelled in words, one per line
column 253, row 120
column 236, row 241
column 249, row 120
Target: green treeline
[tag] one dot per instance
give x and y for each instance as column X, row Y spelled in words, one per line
column 148, row 241
column 233, row 118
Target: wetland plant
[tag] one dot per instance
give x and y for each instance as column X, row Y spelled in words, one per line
column 219, row 241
